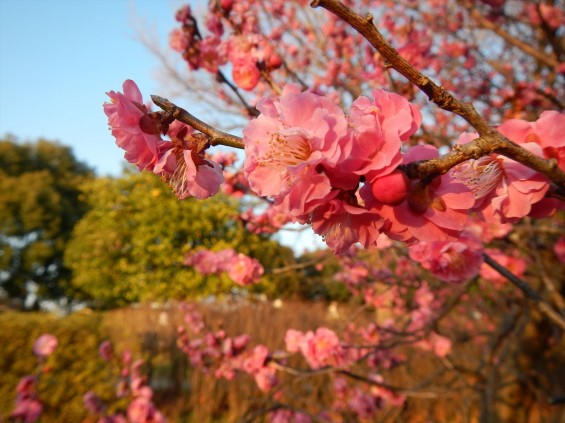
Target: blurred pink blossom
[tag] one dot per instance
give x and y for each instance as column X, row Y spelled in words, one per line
column 45, row 345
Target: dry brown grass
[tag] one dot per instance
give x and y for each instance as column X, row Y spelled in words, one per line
column 188, row 395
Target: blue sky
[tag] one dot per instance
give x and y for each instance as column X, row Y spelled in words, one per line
column 59, row 57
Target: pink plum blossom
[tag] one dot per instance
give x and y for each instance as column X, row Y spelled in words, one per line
column 450, row 261
column 515, row 264
column 27, row 410
column 430, row 211
column 503, row 188
column 93, row 403
column 289, row 145
column 125, row 113
column 559, row 249
column 105, row 351
column 45, row 345
column 142, row 410
column 244, row 270
column 379, row 127
column 320, row 348
column 181, row 162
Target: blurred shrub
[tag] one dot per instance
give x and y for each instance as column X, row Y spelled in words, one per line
column 69, row 373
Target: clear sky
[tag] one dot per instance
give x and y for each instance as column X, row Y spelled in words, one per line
column 59, row 57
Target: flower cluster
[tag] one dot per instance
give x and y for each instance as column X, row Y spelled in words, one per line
column 305, row 154
column 133, row 385
column 242, row 269
column 28, row 407
column 181, row 161
column 225, row 355
column 450, row 261
column 321, row 348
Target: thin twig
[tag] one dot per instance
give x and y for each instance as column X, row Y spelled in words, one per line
column 543, row 306
column 216, row 137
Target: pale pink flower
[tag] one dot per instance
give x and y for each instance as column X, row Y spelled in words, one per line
column 178, row 40
column 45, row 345
column 293, row 339
column 289, row 146
column 27, row 410
column 450, row 261
column 322, row 348
column 244, row 270
column 126, row 114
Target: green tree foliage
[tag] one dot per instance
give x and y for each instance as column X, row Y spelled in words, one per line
column 40, row 202
column 130, row 246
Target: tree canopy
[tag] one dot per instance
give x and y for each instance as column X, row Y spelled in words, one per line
column 41, row 202
column 131, row 244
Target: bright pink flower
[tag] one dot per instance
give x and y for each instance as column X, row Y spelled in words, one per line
column 289, row 146
column 189, row 173
column 342, row 224
column 105, row 351
column 26, row 386
column 503, row 189
column 245, row 73
column 450, row 261
column 379, row 127
column 45, row 345
column 126, row 113
column 559, row 249
column 184, row 14
column 435, row 211
column 244, row 270
column 26, row 411
column 205, row 262
column 547, row 131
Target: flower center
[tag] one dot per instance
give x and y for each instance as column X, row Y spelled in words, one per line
column 480, row 176
column 286, row 148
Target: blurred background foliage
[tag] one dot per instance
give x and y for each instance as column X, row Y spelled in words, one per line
column 41, row 201
column 76, row 363
column 70, row 236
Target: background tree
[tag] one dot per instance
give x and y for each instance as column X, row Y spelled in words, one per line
column 41, row 202
column 131, row 244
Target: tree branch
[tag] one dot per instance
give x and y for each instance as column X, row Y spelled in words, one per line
column 542, row 305
column 490, row 141
column 216, row 137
